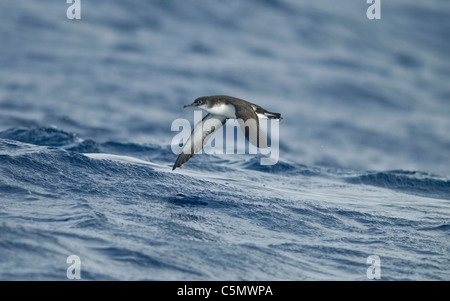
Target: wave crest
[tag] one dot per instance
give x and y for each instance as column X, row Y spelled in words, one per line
column 414, row 182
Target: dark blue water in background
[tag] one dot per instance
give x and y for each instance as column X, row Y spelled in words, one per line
column 364, row 144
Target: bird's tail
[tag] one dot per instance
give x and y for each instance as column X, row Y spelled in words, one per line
column 271, row 115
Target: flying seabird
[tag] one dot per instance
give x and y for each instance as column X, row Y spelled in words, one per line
column 220, row 108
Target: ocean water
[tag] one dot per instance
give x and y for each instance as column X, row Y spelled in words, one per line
column 86, row 108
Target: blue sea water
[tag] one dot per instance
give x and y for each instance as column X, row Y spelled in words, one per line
column 86, row 108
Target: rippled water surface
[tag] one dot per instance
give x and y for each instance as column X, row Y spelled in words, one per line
column 86, row 108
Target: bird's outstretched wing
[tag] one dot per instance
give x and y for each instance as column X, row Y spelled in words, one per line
column 203, row 130
column 249, row 123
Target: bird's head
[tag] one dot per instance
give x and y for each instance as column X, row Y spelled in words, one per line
column 199, row 102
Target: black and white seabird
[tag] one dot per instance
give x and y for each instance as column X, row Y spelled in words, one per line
column 220, row 108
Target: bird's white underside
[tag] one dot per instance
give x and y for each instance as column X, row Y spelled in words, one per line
column 222, row 110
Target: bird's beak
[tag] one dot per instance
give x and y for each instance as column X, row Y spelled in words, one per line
column 191, row 105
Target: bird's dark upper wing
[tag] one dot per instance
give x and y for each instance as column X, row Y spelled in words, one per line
column 249, row 123
column 203, row 130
